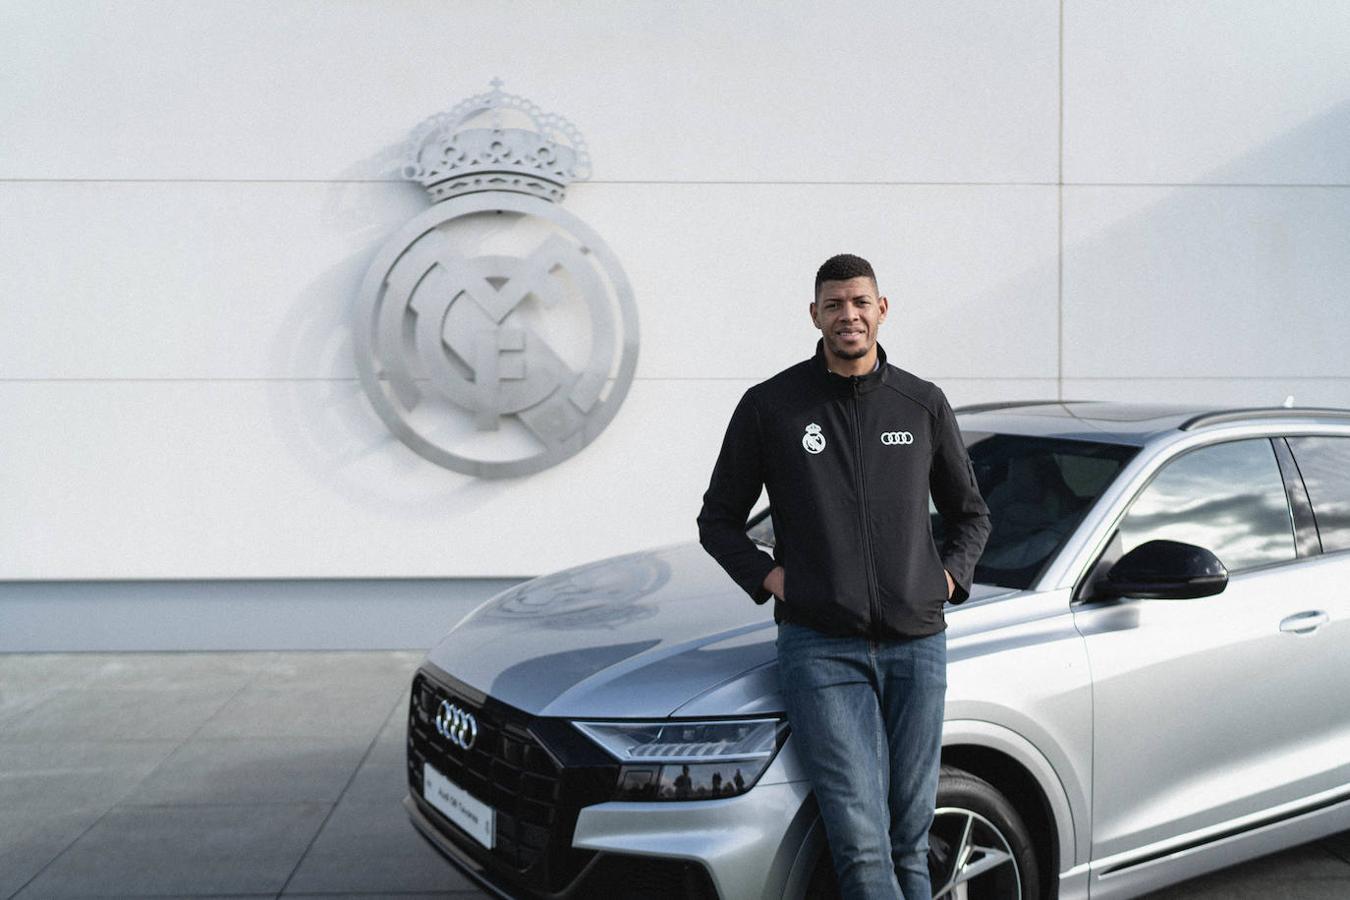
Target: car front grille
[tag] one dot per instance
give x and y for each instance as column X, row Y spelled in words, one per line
column 536, row 790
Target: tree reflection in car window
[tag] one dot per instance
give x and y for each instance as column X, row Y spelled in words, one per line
column 1228, row 498
column 1324, row 463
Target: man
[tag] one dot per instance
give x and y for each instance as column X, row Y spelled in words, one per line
column 849, row 448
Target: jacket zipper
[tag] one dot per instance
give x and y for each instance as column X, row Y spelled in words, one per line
column 862, row 514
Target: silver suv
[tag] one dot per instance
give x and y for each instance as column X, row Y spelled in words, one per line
column 1150, row 680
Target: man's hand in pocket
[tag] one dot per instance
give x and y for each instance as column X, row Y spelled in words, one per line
column 773, row 582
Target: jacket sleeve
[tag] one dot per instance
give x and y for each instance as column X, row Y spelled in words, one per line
column 956, row 494
column 737, row 479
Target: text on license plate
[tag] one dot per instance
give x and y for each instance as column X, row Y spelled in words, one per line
column 457, row 805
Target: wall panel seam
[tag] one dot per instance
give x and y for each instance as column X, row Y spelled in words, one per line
column 1278, row 185
column 396, row 181
column 937, row 377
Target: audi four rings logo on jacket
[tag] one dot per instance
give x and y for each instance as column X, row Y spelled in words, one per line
column 850, row 512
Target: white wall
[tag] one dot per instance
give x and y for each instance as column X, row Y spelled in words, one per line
column 190, row 194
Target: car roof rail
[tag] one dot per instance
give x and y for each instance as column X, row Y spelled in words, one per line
column 1007, row 404
column 1264, row 412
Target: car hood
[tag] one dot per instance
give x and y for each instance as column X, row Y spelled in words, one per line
column 643, row 635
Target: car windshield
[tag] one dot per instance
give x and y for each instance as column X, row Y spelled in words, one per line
column 1037, row 489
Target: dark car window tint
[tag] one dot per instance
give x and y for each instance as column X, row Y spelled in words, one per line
column 1324, row 463
column 1037, row 490
column 1228, row 498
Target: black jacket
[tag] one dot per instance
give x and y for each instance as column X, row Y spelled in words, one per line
column 849, row 463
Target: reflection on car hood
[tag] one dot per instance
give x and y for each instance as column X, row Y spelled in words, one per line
column 633, row 636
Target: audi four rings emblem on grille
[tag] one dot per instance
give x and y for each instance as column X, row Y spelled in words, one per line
column 456, row 725
column 892, row 438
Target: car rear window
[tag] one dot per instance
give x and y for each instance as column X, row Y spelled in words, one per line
column 1324, row 463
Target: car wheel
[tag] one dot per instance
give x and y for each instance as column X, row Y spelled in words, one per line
column 978, row 846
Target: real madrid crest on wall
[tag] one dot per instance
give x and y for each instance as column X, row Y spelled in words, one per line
column 497, row 334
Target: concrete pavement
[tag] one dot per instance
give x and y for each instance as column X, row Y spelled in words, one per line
column 270, row 774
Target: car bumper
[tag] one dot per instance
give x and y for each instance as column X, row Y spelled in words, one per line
column 752, row 847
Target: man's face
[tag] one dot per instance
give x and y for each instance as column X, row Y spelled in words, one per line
column 848, row 314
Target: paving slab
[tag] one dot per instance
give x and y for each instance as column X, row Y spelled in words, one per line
column 18, row 697
column 443, row 895
column 61, row 669
column 265, row 895
column 372, row 847
column 339, row 669
column 37, row 776
column 1339, row 846
column 252, row 770
column 183, row 850
column 169, row 671
column 391, row 744
column 377, row 783
column 92, row 714
column 29, row 839
column 308, row 710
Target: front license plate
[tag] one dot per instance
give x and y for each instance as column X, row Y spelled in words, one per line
column 457, row 805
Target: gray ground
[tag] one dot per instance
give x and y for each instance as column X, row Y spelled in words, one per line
column 269, row 774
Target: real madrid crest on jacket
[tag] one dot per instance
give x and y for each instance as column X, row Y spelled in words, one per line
column 849, row 463
column 496, row 334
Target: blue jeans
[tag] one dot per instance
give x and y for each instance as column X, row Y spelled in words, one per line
column 866, row 720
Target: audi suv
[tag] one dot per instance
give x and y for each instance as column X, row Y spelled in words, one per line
column 1147, row 683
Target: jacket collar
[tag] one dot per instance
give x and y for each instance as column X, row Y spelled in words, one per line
column 871, row 381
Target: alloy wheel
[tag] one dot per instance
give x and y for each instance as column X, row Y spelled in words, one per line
column 969, row 858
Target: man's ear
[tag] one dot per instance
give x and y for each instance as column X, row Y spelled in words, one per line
column 812, row 310
column 883, row 305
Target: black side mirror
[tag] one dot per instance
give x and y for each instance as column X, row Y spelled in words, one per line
column 1166, row 570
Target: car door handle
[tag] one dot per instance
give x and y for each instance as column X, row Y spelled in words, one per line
column 1304, row 622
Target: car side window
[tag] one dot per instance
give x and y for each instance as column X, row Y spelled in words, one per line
column 1228, row 498
column 761, row 532
column 1324, row 463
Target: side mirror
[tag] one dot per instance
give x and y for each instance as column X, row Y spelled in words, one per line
column 1165, row 570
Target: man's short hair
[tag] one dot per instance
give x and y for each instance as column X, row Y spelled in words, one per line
column 843, row 267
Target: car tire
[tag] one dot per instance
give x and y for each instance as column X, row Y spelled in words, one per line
column 978, row 848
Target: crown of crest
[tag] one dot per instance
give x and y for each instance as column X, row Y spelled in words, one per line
column 472, row 148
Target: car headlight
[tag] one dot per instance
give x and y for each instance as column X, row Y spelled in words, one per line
column 674, row 760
